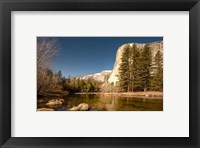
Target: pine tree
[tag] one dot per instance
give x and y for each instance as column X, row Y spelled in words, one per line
column 144, row 67
column 124, row 71
column 134, row 69
column 157, row 80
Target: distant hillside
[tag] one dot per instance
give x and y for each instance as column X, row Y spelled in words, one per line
column 102, row 76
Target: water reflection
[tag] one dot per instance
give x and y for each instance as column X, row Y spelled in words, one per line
column 106, row 103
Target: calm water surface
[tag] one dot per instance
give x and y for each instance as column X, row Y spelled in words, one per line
column 106, row 103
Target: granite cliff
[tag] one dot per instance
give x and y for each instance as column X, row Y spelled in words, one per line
column 110, row 76
column 154, row 46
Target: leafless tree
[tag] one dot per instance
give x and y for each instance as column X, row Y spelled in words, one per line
column 46, row 49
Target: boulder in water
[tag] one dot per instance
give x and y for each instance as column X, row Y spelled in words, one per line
column 80, row 107
column 83, row 106
column 55, row 102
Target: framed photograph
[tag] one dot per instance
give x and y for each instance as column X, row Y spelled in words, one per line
column 91, row 78
column 99, row 73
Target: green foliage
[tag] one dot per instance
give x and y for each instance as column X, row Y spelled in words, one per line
column 124, row 69
column 145, row 67
column 134, row 69
column 136, row 72
column 73, row 85
column 157, row 78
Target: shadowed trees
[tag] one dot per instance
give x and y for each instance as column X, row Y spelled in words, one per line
column 157, row 76
column 136, row 71
column 124, row 69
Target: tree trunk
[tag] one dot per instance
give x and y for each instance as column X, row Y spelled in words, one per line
column 145, row 87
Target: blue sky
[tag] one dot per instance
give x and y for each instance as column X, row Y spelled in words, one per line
column 85, row 55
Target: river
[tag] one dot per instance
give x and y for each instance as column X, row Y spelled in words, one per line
column 106, row 103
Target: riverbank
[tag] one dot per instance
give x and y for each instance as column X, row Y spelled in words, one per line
column 129, row 94
column 53, row 94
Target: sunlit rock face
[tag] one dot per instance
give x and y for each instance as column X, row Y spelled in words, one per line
column 102, row 76
column 110, row 76
column 155, row 46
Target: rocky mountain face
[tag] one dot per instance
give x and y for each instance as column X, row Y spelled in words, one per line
column 102, row 76
column 155, row 46
column 110, row 76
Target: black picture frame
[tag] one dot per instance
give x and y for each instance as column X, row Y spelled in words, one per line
column 7, row 6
